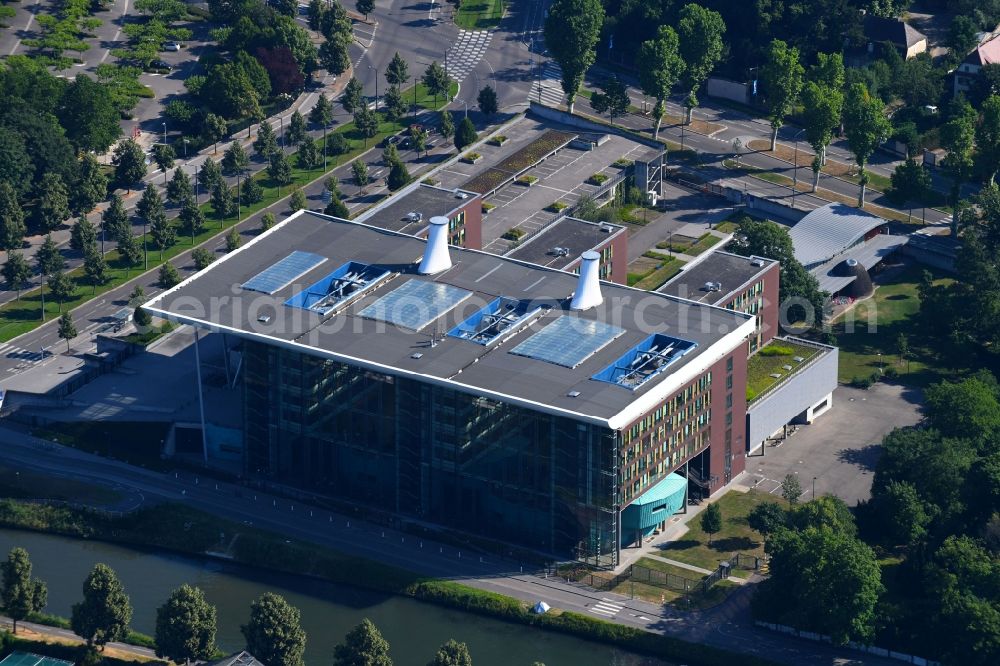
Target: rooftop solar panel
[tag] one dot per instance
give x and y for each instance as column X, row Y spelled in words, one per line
column 568, row 341
column 415, row 303
column 284, row 272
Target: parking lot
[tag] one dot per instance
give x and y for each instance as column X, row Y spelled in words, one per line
column 841, row 448
column 561, row 177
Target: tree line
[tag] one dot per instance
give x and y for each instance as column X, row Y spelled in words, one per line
column 186, row 623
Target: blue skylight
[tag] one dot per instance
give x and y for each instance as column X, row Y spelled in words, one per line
column 342, row 286
column 645, row 361
column 501, row 316
column 415, row 304
column 283, row 273
column 568, row 341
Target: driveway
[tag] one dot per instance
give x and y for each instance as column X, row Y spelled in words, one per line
column 841, row 448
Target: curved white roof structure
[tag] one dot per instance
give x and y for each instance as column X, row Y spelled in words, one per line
column 829, row 230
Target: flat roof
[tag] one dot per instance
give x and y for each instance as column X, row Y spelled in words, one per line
column 731, row 271
column 562, row 242
column 427, row 200
column 213, row 298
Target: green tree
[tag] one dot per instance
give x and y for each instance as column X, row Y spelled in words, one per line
column 266, row 142
column 235, row 159
column 267, row 220
column 447, row 124
column 781, row 77
column 711, row 521
column 253, row 191
column 130, row 163
column 92, row 186
column 393, row 106
column 209, row 174
column 700, row 33
column 365, row 7
column 418, row 139
column 61, row 287
column 67, row 331
column 164, row 156
column 825, row 511
column 223, row 203
column 487, row 101
column 572, row 29
column 179, row 188
column 115, row 220
column 273, row 633
column 866, row 127
column 465, row 135
column 334, row 54
column 823, row 581
column 168, row 276
column 390, row 154
column 48, row 257
column 452, row 653
column 137, row 296
column 105, row 612
column 353, row 97
column 796, row 286
column 366, row 122
column 791, row 489
column 360, row 172
column 363, row 646
column 16, row 272
column 767, row 518
column 130, row 251
column 612, row 100
column 214, row 128
column 95, row 267
column 337, row 144
column 88, row 114
column 988, row 137
column 296, row 129
column 22, row 595
column 82, row 235
column 660, row 66
column 911, row 183
column 322, row 113
column 397, row 72
column 202, row 259
column 53, row 205
column 233, row 239
column 958, row 137
column 163, row 233
column 191, row 218
column 436, row 80
column 279, row 170
column 229, row 91
column 399, row 176
column 308, row 155
column 968, row 409
column 12, row 226
column 337, row 208
column 150, row 204
column 902, row 516
column 298, row 200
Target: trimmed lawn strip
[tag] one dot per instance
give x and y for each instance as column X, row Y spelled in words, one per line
column 666, row 270
column 180, row 528
column 23, row 315
column 877, row 323
column 25, row 484
column 704, row 242
column 479, row 14
column 735, row 537
column 763, row 364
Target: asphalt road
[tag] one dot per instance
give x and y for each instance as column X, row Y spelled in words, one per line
column 726, row 626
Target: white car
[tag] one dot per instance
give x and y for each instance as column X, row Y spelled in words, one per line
column 171, row 46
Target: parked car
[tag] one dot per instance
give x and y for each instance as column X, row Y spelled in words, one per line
column 159, row 64
column 171, row 46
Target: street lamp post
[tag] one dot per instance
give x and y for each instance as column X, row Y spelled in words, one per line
column 372, row 67
column 145, row 250
column 795, row 167
column 466, row 108
column 197, row 185
column 324, row 148
column 737, row 148
column 164, row 134
column 814, row 488
column 184, row 140
column 281, row 122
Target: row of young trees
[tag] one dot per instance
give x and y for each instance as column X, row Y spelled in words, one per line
column 186, row 623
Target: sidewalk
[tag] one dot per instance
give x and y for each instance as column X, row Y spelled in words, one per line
column 44, row 633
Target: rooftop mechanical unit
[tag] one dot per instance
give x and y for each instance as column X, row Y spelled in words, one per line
column 645, row 361
column 340, row 288
column 498, row 320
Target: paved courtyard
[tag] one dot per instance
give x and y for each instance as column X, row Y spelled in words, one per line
column 841, row 448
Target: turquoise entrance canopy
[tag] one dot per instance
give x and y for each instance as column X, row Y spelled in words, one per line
column 653, row 507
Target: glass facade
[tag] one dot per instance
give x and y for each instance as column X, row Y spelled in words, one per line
column 751, row 302
column 468, row 462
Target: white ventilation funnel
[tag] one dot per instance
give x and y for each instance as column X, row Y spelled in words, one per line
column 436, row 257
column 588, row 288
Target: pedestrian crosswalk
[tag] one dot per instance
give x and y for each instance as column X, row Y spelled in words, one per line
column 606, row 608
column 20, row 355
column 547, row 87
column 466, row 52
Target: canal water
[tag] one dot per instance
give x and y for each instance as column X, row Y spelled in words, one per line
column 413, row 629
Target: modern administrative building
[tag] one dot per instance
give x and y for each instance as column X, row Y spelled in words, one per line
column 479, row 392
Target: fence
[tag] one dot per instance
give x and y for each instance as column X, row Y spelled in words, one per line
column 668, row 580
column 869, row 649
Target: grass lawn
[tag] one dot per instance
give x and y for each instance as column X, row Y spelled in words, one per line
column 735, row 537
column 877, row 323
column 771, row 359
column 664, row 270
column 137, row 443
column 154, row 333
column 479, row 14
column 727, row 227
column 22, row 484
column 704, row 242
column 25, row 314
